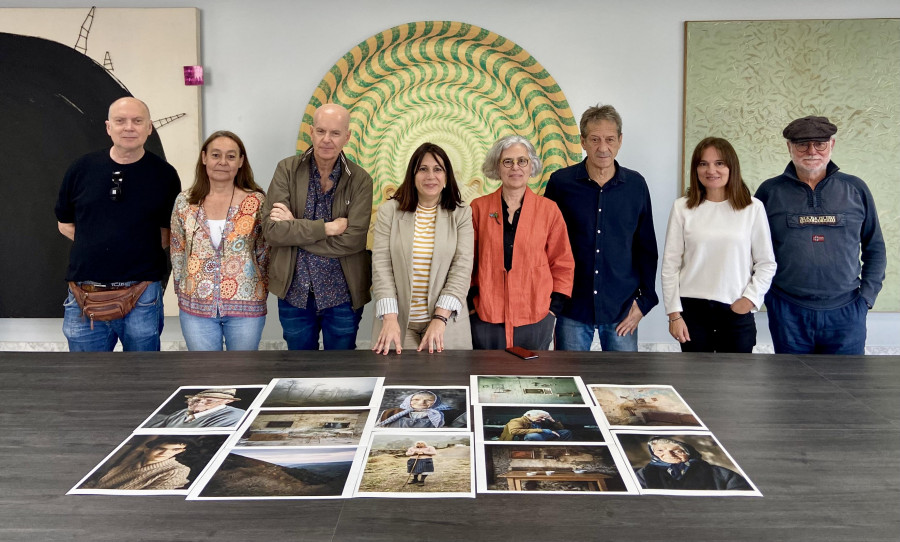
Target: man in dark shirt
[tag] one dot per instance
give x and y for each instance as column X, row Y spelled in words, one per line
column 116, row 206
column 610, row 222
column 316, row 221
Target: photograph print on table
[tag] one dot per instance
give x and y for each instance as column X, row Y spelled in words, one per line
column 423, row 407
column 628, row 407
column 552, row 468
column 532, row 425
column 683, row 463
column 320, row 392
column 418, row 465
column 199, row 409
column 528, row 390
column 306, row 427
column 279, row 473
column 152, row 464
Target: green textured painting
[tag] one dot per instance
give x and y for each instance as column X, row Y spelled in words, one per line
column 746, row 80
column 454, row 84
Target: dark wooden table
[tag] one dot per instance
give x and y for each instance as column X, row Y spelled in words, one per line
column 820, row 437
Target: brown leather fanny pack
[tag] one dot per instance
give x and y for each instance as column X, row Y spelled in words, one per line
column 106, row 305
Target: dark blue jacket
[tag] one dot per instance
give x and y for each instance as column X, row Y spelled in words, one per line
column 820, row 236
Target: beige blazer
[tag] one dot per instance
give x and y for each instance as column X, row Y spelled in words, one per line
column 451, row 266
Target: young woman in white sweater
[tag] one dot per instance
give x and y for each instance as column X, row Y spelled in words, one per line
column 718, row 261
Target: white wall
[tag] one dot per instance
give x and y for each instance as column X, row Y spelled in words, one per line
column 263, row 59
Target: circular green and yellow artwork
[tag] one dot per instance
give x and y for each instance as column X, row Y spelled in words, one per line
column 454, row 84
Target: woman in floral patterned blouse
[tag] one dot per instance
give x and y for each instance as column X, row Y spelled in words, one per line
column 219, row 257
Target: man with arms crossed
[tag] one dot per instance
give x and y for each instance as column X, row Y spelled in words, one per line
column 610, row 222
column 823, row 224
column 116, row 205
column 316, row 221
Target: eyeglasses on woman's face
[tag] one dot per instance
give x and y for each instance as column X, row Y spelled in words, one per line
column 521, row 161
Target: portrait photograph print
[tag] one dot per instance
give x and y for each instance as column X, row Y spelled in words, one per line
column 644, row 406
column 418, row 465
column 551, row 468
column 279, row 473
column 203, row 409
column 528, row 390
column 320, row 392
column 530, row 424
column 683, row 463
column 306, row 427
column 417, row 407
column 154, row 464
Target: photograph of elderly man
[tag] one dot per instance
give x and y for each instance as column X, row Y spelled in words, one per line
column 535, row 425
column 209, row 408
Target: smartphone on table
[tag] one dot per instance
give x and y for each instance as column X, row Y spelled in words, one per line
column 518, row 351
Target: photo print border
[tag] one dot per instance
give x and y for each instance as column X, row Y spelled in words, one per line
column 539, row 391
column 202, row 459
column 631, row 449
column 386, row 391
column 686, row 408
column 366, row 387
column 249, row 401
column 243, row 469
column 411, row 437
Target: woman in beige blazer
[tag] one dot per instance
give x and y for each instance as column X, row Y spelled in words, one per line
column 422, row 260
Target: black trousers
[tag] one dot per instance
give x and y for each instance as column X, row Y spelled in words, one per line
column 714, row 327
column 536, row 336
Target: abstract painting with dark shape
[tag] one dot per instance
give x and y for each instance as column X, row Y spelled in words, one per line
column 53, row 104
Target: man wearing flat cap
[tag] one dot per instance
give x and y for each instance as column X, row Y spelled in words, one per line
column 209, row 408
column 823, row 225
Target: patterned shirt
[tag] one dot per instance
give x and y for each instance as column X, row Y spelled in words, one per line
column 318, row 274
column 228, row 280
column 422, row 251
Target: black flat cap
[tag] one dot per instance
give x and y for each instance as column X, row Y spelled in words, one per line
column 809, row 129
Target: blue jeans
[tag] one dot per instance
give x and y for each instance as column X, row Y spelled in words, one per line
column 574, row 335
column 301, row 327
column 206, row 333
column 799, row 330
column 139, row 331
column 564, row 434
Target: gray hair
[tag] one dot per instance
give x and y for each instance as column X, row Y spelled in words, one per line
column 664, row 440
column 597, row 113
column 533, row 413
column 491, row 166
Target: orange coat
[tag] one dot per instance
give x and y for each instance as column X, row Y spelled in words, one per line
column 542, row 261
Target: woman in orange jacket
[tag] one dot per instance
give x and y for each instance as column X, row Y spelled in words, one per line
column 523, row 263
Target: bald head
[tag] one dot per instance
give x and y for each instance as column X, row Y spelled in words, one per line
column 127, row 101
column 335, row 111
column 128, row 126
column 330, row 132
